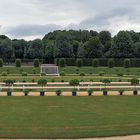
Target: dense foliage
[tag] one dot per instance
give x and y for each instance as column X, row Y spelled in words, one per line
column 73, row 44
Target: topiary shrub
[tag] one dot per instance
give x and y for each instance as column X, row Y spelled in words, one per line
column 24, row 74
column 90, row 91
column 42, row 83
column 95, row 63
column 127, row 63
column 82, row 74
column 111, row 63
column 4, row 73
column 79, row 63
column 120, row 74
column 43, row 74
column 18, row 63
column 62, row 62
column 58, row 92
column 121, row 91
column 36, row 63
column 62, row 73
column 34, row 70
column 101, row 73
column 1, row 62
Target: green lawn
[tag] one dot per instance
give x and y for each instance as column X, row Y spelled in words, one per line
column 105, row 70
column 75, row 70
column 15, row 70
column 63, row 78
column 69, row 117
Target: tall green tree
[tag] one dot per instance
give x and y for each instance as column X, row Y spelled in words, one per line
column 19, row 47
column 36, row 49
column 62, row 47
column 93, row 48
column 122, row 46
column 6, row 50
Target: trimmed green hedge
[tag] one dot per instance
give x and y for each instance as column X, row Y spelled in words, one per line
column 103, row 62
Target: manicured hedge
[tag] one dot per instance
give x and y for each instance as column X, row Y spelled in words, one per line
column 103, row 62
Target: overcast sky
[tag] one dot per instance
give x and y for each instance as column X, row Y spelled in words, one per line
column 31, row 19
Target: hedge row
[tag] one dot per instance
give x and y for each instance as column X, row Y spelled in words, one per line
column 102, row 62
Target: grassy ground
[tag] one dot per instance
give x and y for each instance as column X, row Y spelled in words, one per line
column 75, row 70
column 106, row 70
column 68, row 117
column 15, row 70
column 63, row 78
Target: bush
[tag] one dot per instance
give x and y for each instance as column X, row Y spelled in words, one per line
column 120, row 74
column 36, row 63
column 24, row 74
column 101, row 73
column 34, row 70
column 42, row 82
column 43, row 74
column 127, row 63
column 18, row 63
column 52, row 80
column 90, row 91
column 21, row 70
column 62, row 62
column 58, row 92
column 1, row 62
column 4, row 73
column 62, row 73
column 74, row 82
column 95, row 63
column 121, row 91
column 82, row 74
column 111, row 63
column 79, row 63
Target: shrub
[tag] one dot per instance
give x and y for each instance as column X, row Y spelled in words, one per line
column 4, row 73
column 95, row 63
column 42, row 83
column 121, row 91
column 79, row 63
column 21, row 70
column 43, row 74
column 62, row 81
column 34, row 70
column 111, row 63
column 24, row 74
column 9, row 82
column 62, row 73
column 52, row 80
column 101, row 73
column 26, row 91
column 120, row 74
column 82, row 74
column 134, row 81
column 127, row 63
column 77, row 71
column 18, row 63
column 1, row 62
column 62, row 62
column 36, row 63
column 58, row 92
column 90, row 91
column 74, row 82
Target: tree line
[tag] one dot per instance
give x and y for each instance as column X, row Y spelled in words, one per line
column 73, row 44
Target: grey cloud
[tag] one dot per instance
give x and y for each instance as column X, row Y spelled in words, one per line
column 30, row 30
